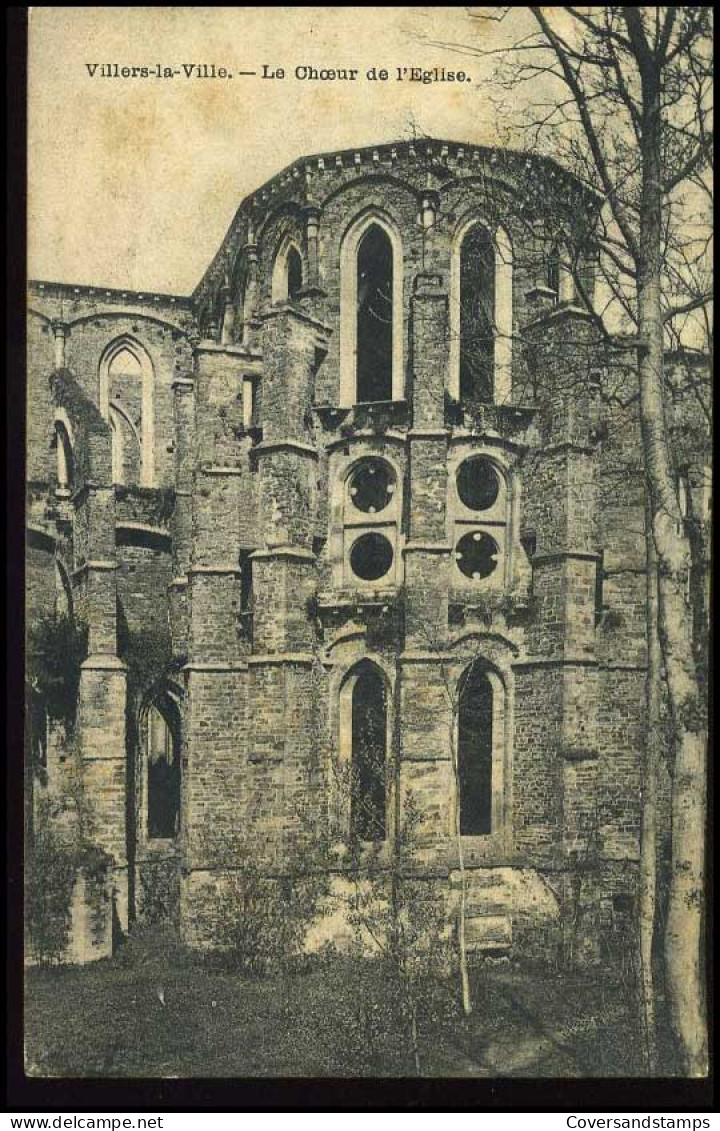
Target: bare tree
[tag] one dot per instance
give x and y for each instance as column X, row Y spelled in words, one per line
column 622, row 97
column 649, row 811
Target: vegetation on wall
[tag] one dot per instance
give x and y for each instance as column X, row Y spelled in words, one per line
column 147, row 653
column 60, row 850
column 56, row 648
column 148, row 504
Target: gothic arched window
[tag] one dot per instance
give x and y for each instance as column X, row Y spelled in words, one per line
column 552, row 271
column 477, row 315
column 475, row 753
column 294, row 273
column 481, row 314
column 287, row 275
column 163, row 774
column 65, row 458
column 368, row 813
column 126, row 402
column 374, row 316
column 371, row 302
column 558, row 273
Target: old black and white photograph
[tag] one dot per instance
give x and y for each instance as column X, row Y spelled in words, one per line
column 367, row 567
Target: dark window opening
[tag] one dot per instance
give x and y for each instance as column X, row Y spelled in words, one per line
column 246, row 582
column 599, row 587
column 369, row 739
column 371, row 557
column 552, row 271
column 372, row 486
column 475, row 745
column 163, row 778
column 477, row 316
column 246, row 596
column 294, row 273
column 374, row 316
column 476, row 555
column 477, row 483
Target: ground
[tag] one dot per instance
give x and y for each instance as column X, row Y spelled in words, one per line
column 155, row 1010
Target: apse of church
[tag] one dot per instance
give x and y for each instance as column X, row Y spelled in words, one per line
column 348, row 494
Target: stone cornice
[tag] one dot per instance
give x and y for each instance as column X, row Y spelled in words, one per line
column 288, row 553
column 560, row 314
column 429, row 434
column 144, row 528
column 103, row 662
column 368, row 436
column 300, row 447
column 489, row 439
column 99, row 565
column 251, row 357
column 289, row 308
column 70, row 290
column 427, row 548
column 565, row 555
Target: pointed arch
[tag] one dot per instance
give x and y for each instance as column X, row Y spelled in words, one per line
column 493, row 281
column 65, row 451
column 364, row 719
column 558, row 272
column 371, row 243
column 161, row 762
column 482, row 751
column 288, row 273
column 126, row 445
column 126, row 344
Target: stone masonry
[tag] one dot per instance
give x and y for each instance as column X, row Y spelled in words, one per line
column 194, row 466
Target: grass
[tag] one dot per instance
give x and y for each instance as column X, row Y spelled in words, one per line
column 157, row 1010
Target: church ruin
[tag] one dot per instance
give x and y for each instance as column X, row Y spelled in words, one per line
column 359, row 499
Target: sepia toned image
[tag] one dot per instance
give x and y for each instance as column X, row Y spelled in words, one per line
column 368, row 501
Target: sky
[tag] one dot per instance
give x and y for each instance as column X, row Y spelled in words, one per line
column 133, row 182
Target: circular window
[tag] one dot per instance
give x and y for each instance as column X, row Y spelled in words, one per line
column 371, row 557
column 371, row 486
column 477, row 483
column 476, row 555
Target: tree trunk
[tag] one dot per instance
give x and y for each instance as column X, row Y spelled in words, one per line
column 414, row 1034
column 462, row 946
column 683, row 931
column 683, row 934
column 648, row 820
column 462, row 910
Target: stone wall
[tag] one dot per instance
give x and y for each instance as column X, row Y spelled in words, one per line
column 237, row 554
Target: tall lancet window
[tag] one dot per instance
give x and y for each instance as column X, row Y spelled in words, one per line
column 163, row 777
column 475, row 754
column 126, row 402
column 294, row 273
column 374, row 372
column 369, row 741
column 477, row 315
